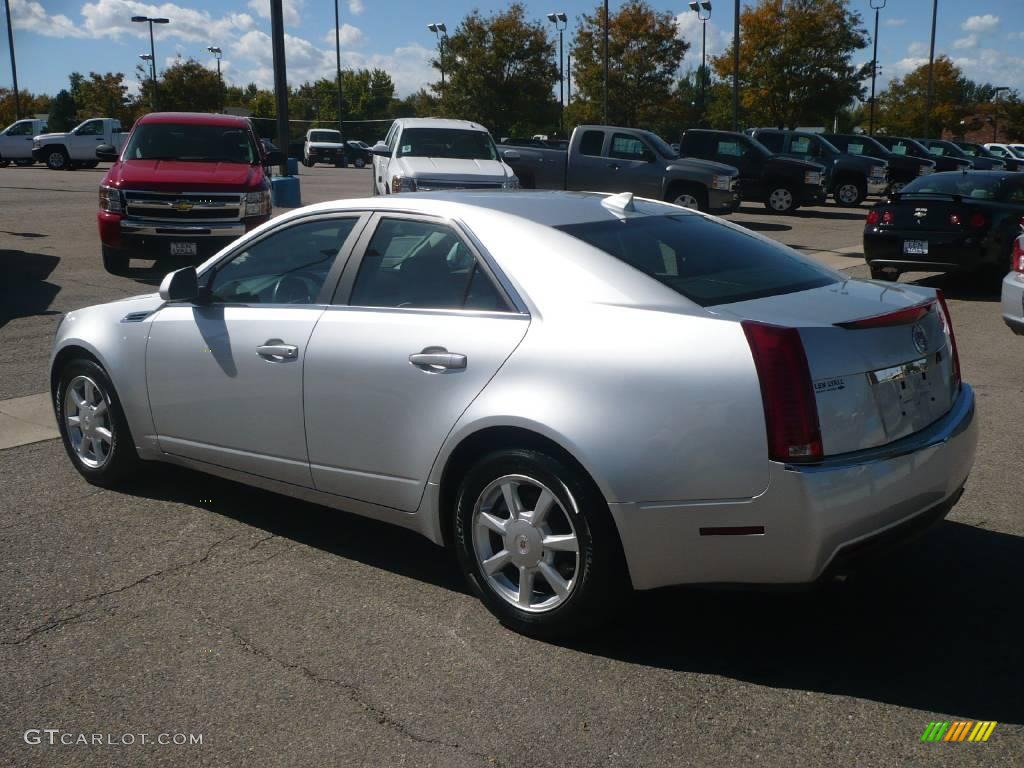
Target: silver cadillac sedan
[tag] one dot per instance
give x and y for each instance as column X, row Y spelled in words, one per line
column 577, row 393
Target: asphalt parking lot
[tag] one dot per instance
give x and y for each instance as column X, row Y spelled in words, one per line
column 288, row 634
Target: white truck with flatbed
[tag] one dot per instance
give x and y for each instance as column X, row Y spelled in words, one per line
column 77, row 147
column 16, row 141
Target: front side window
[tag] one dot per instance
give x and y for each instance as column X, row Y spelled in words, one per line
column 626, row 147
column 774, row 141
column 192, row 143
column 422, row 265
column 19, row 129
column 91, row 128
column 289, row 266
column 451, row 143
column 707, row 262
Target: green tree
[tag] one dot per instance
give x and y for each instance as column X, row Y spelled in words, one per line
column 186, row 86
column 30, row 105
column 796, row 61
column 902, row 106
column 644, row 55
column 102, row 96
column 500, row 72
column 62, row 112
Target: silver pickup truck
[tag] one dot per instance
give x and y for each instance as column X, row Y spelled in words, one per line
column 604, row 158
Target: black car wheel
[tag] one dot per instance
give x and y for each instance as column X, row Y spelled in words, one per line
column 114, row 261
column 360, row 162
column 57, row 159
column 850, row 192
column 537, row 544
column 781, row 199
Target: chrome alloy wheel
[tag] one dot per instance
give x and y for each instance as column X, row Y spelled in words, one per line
column 686, row 200
column 848, row 193
column 87, row 418
column 525, row 543
column 781, row 199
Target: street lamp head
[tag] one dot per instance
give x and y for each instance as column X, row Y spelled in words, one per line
column 432, row 27
column 877, row 5
column 552, row 17
column 145, row 57
column 562, row 17
column 140, row 18
column 706, row 5
column 214, row 50
column 443, row 28
column 695, row 6
column 161, row 21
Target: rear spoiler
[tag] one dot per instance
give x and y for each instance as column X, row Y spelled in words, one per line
column 895, row 196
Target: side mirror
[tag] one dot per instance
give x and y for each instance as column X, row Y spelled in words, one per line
column 511, row 155
column 107, row 153
column 273, row 157
column 380, row 149
column 180, row 285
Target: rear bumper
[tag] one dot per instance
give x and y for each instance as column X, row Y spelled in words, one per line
column 947, row 251
column 811, row 516
column 877, row 185
column 1013, row 302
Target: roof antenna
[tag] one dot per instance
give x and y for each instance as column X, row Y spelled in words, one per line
column 620, row 202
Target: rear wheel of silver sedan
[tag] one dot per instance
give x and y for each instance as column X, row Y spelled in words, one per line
column 92, row 425
column 537, row 544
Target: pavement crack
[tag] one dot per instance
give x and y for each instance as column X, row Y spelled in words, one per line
column 260, row 541
column 356, row 695
column 56, row 622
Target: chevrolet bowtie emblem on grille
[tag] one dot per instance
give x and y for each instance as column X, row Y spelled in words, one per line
column 181, row 205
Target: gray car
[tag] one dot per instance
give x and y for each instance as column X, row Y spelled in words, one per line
column 577, row 393
column 1013, row 289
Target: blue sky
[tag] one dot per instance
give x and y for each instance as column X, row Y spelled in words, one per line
column 55, row 37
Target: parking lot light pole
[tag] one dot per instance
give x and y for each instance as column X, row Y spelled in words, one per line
column 337, row 54
column 441, row 31
column 877, row 5
column 561, row 21
column 152, row 49
column 995, row 111
column 931, row 67
column 604, row 95
column 148, row 58
column 217, row 53
column 703, row 11
column 736, row 68
column 14, row 66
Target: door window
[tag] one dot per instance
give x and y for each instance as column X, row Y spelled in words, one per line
column 730, row 149
column 91, row 128
column 774, row 141
column 626, row 147
column 20, row 129
column 591, row 143
column 289, row 266
column 422, row 265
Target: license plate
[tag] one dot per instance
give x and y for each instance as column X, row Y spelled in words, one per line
column 183, row 249
column 916, row 247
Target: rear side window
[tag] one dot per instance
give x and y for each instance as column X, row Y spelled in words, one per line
column 707, row 262
column 773, row 141
column 591, row 143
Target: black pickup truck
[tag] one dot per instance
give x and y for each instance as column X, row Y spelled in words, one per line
column 901, row 145
column 941, row 148
column 782, row 183
column 903, row 169
column 848, row 178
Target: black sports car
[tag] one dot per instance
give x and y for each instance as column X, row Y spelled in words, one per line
column 946, row 222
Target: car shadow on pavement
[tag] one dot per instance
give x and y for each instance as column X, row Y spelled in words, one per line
column 371, row 542
column 936, row 625
column 24, row 290
column 984, row 285
column 847, row 214
column 764, row 226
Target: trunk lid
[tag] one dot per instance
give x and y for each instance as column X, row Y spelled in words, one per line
column 872, row 385
column 930, row 213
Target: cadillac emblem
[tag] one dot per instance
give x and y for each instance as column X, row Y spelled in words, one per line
column 920, row 339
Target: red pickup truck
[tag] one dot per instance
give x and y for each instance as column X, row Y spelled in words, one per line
column 184, row 186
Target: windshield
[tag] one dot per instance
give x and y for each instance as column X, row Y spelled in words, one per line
column 451, row 143
column 707, row 262
column 191, row 143
column 974, row 150
column 328, row 137
column 980, row 186
column 660, row 145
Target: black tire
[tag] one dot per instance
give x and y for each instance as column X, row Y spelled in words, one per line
column 850, row 192
column 308, row 163
column 373, row 182
column 121, row 461
column 688, row 196
column 90, row 163
column 24, row 162
column 4, row 163
column 57, row 159
column 359, row 162
column 115, row 261
column 598, row 576
column 779, row 194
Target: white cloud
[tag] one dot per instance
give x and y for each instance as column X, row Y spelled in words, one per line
column 904, row 65
column 688, row 27
column 356, row 7
column 112, row 18
column 894, row 22
column 291, row 9
column 917, row 49
column 350, row 36
column 33, row 17
column 985, row 23
column 969, row 41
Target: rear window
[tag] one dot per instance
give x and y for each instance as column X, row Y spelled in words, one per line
column 707, row 262
column 977, row 186
column 326, row 137
column 591, row 143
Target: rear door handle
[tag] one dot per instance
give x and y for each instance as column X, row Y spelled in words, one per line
column 275, row 349
column 438, row 357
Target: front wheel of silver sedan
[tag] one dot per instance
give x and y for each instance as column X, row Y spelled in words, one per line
column 537, row 543
column 92, row 425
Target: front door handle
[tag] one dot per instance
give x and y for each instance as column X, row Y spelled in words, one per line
column 438, row 357
column 613, row 166
column 275, row 349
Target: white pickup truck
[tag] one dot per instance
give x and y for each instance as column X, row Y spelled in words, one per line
column 422, row 154
column 77, row 148
column 16, row 142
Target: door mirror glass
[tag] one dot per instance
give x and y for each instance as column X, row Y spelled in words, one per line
column 180, row 285
column 107, row 153
column 511, row 155
column 380, row 149
column 274, row 157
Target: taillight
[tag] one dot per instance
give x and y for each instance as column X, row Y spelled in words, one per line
column 954, row 219
column 790, row 410
column 887, row 217
column 977, row 221
column 947, row 326
column 1017, row 264
column 876, row 217
column 872, row 217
